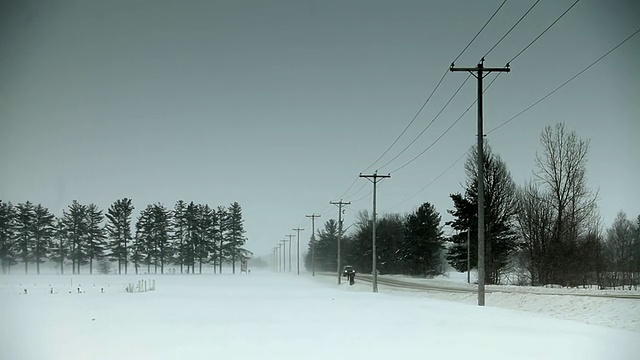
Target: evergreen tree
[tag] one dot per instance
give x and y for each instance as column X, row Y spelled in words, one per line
column 191, row 236
column 358, row 248
column 179, row 233
column 390, row 232
column 59, row 250
column 24, row 233
column 421, row 251
column 223, row 225
column 119, row 230
column 500, row 208
column 96, row 237
column 161, row 232
column 327, row 247
column 235, row 234
column 7, row 236
column 206, row 234
column 43, row 230
column 76, row 230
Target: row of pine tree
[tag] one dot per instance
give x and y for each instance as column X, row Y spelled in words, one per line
column 188, row 236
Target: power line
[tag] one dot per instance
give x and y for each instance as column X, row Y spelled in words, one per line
column 431, row 182
column 482, row 28
column 445, row 132
column 410, row 123
column 430, row 123
column 513, row 27
column 545, row 30
column 564, row 83
column 434, row 90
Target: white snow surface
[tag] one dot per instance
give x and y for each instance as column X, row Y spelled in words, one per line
column 284, row 316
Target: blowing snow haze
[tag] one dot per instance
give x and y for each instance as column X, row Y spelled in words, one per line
column 280, row 105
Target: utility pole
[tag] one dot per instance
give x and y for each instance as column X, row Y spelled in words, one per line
column 479, row 72
column 298, row 256
column 289, row 236
column 375, row 180
column 339, row 204
column 313, row 242
column 279, row 257
column 468, row 256
column 284, row 255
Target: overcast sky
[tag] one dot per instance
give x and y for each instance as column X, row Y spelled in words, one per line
column 279, row 105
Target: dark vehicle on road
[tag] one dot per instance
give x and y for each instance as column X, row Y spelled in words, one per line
column 348, row 270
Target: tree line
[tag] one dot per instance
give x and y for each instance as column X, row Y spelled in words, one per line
column 546, row 231
column 189, row 235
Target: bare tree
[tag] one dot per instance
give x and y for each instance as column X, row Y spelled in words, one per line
column 561, row 171
column 620, row 248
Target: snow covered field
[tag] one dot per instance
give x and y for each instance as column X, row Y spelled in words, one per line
column 271, row 316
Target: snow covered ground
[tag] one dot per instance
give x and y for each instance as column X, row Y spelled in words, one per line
column 616, row 313
column 270, row 316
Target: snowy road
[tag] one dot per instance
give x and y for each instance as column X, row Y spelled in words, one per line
column 422, row 284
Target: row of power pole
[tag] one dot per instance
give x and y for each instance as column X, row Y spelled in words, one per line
column 479, row 72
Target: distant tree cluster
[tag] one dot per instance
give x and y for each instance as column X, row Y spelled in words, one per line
column 411, row 245
column 189, row 235
column 547, row 231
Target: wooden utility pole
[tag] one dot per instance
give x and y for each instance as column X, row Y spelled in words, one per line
column 479, row 72
column 298, row 247
column 339, row 204
column 374, row 178
column 289, row 236
column 313, row 242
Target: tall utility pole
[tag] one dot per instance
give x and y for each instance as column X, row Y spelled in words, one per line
column 340, row 204
column 479, row 72
column 313, row 242
column 284, row 255
column 468, row 256
column 289, row 236
column 298, row 252
column 280, row 245
column 374, row 178
column 274, row 257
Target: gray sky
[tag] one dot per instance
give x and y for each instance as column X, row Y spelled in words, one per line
column 279, row 105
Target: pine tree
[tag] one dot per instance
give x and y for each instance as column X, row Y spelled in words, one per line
column 76, row 230
column 179, row 233
column 43, row 230
column 500, row 215
column 161, row 231
column 421, row 251
column 59, row 250
column 235, row 234
column 326, row 247
column 24, row 232
column 223, row 226
column 7, row 236
column 119, row 230
column 96, row 237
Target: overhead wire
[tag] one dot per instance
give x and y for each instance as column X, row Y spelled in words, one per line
column 430, row 123
column 410, row 122
column 513, row 27
column 434, row 89
column 543, row 32
column 445, row 132
column 431, row 182
column 564, row 83
column 479, row 31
